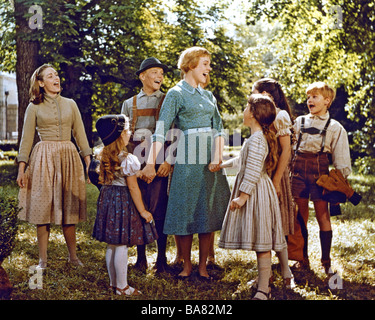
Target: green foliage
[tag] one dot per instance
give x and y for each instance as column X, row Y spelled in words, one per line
column 332, row 41
column 8, row 223
column 8, row 173
column 98, row 45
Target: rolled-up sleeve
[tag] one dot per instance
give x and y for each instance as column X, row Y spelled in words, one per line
column 341, row 151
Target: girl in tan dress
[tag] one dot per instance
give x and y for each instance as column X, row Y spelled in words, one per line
column 52, row 189
column 282, row 127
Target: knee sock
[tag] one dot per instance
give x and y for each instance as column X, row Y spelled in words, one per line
column 325, row 242
column 283, row 258
column 141, row 253
column 109, row 259
column 264, row 270
column 162, row 241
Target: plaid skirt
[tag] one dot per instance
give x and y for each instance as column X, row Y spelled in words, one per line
column 118, row 221
column 55, row 190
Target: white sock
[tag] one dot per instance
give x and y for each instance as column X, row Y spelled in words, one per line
column 109, row 259
column 264, row 270
column 283, row 258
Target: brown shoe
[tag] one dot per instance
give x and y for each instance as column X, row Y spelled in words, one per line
column 122, row 292
column 302, row 265
column 326, row 264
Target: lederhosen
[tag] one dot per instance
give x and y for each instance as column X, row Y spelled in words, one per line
column 306, row 167
column 154, row 195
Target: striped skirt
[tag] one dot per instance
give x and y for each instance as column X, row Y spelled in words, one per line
column 257, row 225
column 55, row 190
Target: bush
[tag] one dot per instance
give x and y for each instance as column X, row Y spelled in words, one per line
column 365, row 165
column 8, row 223
column 8, row 173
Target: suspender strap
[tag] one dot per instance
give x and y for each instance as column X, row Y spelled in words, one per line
column 300, row 133
column 324, row 132
column 135, row 114
column 145, row 112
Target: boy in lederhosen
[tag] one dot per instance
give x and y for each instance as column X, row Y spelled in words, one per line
column 143, row 111
column 317, row 136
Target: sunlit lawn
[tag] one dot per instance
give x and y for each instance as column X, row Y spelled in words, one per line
column 353, row 255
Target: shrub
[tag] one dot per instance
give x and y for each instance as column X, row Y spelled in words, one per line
column 8, row 223
column 8, row 173
column 365, row 165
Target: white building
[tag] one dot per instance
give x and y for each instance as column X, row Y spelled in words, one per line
column 8, row 106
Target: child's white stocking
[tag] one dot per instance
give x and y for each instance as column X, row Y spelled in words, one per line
column 121, row 266
column 109, row 259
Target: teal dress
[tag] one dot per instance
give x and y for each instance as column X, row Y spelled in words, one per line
column 198, row 198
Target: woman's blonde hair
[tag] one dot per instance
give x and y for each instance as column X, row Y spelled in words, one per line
column 264, row 111
column 189, row 58
column 36, row 92
column 110, row 162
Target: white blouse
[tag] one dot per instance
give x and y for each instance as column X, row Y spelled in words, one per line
column 130, row 165
column 283, row 124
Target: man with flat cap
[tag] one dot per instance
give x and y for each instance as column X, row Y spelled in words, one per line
column 143, row 111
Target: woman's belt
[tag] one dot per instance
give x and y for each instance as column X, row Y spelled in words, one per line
column 197, row 130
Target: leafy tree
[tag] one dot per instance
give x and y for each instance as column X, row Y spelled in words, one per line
column 332, row 41
column 98, row 45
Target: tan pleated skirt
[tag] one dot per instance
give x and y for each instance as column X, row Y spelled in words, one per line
column 55, row 189
column 287, row 206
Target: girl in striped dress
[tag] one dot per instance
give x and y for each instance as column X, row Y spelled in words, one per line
column 253, row 219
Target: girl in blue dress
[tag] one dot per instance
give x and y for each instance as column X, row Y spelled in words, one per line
column 199, row 191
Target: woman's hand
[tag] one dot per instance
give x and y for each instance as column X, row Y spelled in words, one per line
column 21, row 178
column 214, row 167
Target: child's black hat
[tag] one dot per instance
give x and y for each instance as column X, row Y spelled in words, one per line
column 109, row 127
column 151, row 63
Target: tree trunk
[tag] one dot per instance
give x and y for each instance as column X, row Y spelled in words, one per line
column 27, row 60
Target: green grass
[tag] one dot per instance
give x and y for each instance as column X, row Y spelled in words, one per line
column 353, row 255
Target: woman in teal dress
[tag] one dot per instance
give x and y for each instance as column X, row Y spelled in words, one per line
column 199, row 191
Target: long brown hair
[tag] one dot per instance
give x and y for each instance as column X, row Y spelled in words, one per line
column 264, row 111
column 110, row 162
column 273, row 87
column 36, row 92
